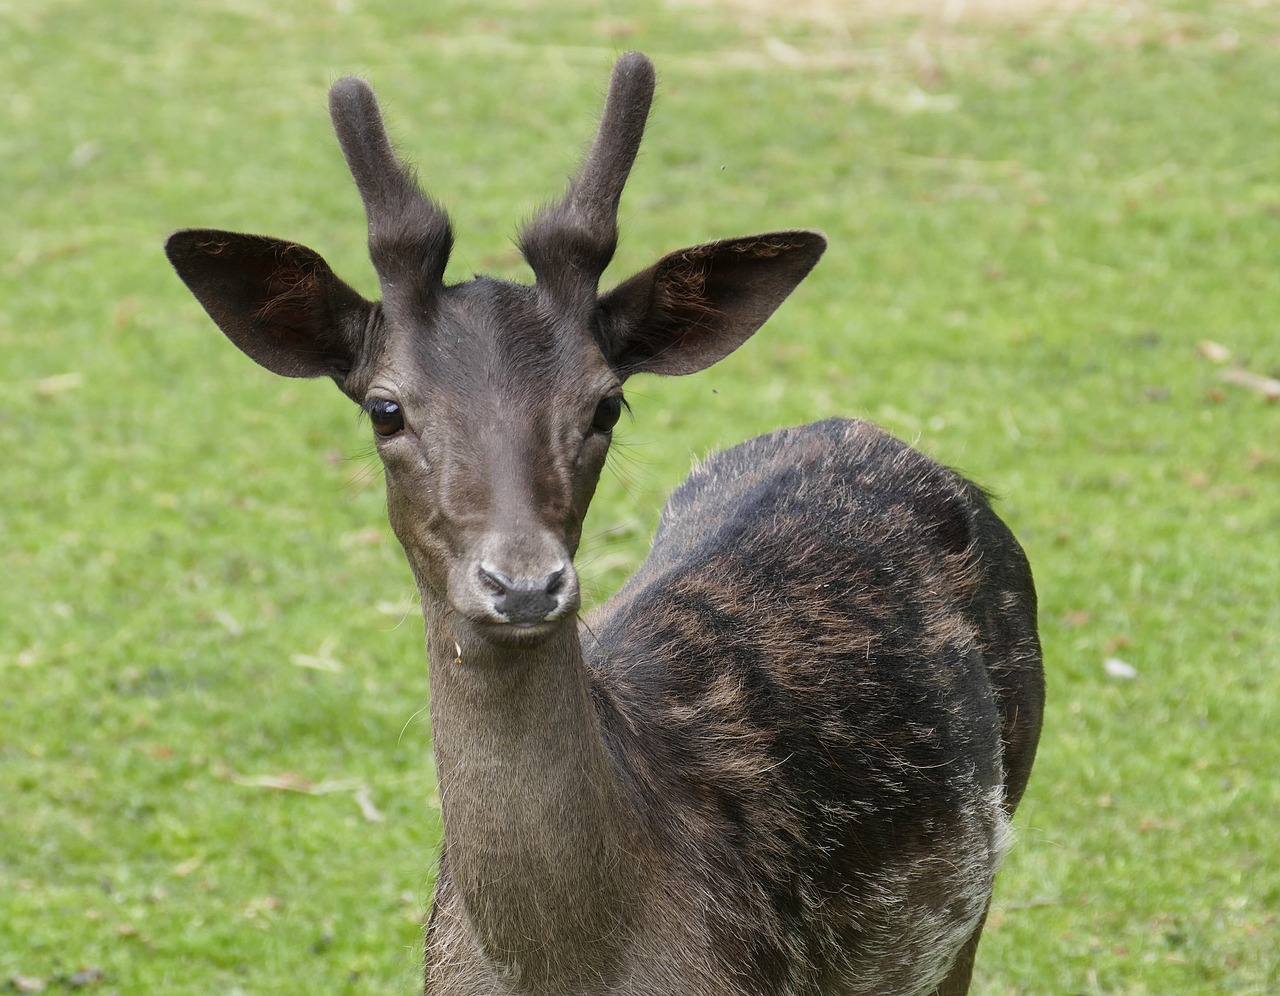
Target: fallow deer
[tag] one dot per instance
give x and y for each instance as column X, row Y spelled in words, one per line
column 783, row 759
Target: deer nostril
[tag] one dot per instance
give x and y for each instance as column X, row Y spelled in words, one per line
column 496, row 582
column 525, row 600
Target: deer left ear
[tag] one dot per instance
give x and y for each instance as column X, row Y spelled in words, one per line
column 278, row 301
column 696, row 306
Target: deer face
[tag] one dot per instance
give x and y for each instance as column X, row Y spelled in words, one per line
column 492, row 404
column 493, row 420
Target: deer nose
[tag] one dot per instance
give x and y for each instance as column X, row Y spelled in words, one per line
column 526, row 599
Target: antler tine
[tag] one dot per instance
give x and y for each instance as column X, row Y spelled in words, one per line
column 576, row 238
column 409, row 234
column 598, row 186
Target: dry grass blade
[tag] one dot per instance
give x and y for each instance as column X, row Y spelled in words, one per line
column 292, row 781
column 1268, row 387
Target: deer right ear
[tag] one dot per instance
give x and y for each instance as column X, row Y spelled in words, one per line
column 698, row 305
column 278, row 301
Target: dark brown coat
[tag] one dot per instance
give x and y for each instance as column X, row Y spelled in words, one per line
column 782, row 761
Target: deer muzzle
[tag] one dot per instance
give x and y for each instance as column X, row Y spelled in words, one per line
column 530, row 600
column 516, row 588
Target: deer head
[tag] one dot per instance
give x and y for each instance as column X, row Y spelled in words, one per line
column 492, row 403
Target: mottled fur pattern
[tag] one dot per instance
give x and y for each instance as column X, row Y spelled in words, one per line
column 794, row 691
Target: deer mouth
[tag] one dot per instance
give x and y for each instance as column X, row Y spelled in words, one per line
column 519, row 635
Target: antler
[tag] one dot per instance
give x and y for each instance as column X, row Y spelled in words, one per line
column 409, row 234
column 569, row 244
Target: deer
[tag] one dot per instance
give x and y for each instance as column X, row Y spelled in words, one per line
column 784, row 757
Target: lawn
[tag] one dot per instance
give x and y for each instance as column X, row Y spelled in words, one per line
column 1054, row 264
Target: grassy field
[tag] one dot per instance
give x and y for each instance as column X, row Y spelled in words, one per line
column 1054, row 264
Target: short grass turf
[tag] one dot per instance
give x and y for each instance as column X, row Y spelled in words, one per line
column 1054, row 263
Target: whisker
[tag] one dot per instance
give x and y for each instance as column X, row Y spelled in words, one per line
column 416, row 714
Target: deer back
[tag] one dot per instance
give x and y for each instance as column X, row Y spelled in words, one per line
column 810, row 678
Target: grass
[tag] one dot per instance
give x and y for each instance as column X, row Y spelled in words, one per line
column 1037, row 218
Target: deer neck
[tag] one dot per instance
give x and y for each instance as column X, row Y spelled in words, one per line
column 537, row 835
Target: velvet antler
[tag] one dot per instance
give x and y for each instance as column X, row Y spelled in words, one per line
column 570, row 243
column 409, row 234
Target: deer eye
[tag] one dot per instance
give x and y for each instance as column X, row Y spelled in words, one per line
column 607, row 413
column 386, row 416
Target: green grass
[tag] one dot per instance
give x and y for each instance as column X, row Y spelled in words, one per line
column 1035, row 220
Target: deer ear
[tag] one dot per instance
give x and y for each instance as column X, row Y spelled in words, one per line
column 278, row 301
column 698, row 305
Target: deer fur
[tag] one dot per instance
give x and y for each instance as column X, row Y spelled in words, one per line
column 783, row 759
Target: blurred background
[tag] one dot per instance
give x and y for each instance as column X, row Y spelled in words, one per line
column 1054, row 264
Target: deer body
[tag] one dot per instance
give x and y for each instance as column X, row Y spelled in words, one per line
column 737, row 825
column 782, row 760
